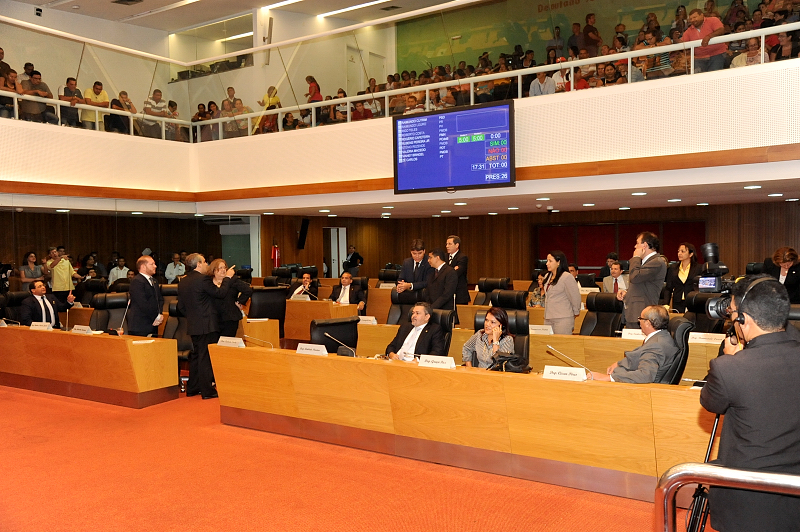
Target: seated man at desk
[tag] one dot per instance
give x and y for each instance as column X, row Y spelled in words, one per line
column 304, row 287
column 651, row 361
column 41, row 306
column 348, row 294
column 418, row 337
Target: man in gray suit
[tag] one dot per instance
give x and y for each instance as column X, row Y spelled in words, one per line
column 651, row 361
column 647, row 273
column 622, row 283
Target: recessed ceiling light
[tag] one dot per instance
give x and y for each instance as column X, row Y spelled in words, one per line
column 445, row 212
column 752, row 187
column 460, row 203
column 775, row 195
column 76, row 7
column 588, row 204
column 437, row 215
column 513, row 208
column 542, row 199
column 137, row 212
column 386, row 214
column 624, row 208
column 638, row 193
column 281, row 4
column 673, row 200
column 62, row 210
column 555, row 210
column 324, row 210
column 331, row 216
column 702, row 204
column 463, row 217
column 492, row 214
column 268, row 213
column 158, row 10
column 234, row 37
column 387, row 207
column 793, row 199
column 351, row 8
column 197, row 214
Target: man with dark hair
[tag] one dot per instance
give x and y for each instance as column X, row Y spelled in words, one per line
column 69, row 92
column 195, row 294
column 414, row 273
column 591, row 37
column 706, row 58
column 605, row 271
column 576, row 39
column 616, row 280
column 146, row 301
column 118, row 272
column 95, row 97
column 154, row 106
column 442, row 281
column 756, row 390
column 418, row 336
column 43, row 307
column 646, row 275
column 353, row 261
column 304, row 285
column 651, row 361
column 4, row 67
column 459, row 262
column 36, row 111
column 573, row 270
column 349, row 294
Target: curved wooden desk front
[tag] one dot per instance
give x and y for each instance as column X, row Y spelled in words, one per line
column 607, row 437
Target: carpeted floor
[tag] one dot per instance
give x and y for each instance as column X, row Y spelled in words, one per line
column 70, row 465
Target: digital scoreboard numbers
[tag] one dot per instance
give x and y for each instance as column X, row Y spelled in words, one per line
column 467, row 148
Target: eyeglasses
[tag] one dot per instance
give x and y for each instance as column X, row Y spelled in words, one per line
column 642, row 319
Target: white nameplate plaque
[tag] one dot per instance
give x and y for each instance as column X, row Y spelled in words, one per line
column 632, row 334
column 41, row 326
column 312, row 349
column 540, row 329
column 705, row 338
column 301, row 297
column 229, row 341
column 588, row 290
column 564, row 373
column 82, row 329
column 367, row 320
column 256, row 320
column 142, row 342
column 3, row 323
column 387, row 286
column 433, row 361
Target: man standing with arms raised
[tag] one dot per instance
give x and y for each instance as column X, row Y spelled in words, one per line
column 63, row 273
column 195, row 292
column 146, row 301
column 646, row 276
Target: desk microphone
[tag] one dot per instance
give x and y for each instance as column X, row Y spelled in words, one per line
column 306, row 291
column 127, row 306
column 338, row 352
column 4, row 320
column 589, row 372
column 259, row 340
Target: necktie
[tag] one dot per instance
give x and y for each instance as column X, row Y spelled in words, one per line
column 616, row 286
column 416, row 267
column 46, row 315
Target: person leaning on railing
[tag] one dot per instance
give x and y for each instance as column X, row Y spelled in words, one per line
column 36, row 111
column 8, row 83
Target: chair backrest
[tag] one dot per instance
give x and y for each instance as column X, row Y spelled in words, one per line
column 170, row 294
column 446, row 319
column 245, row 274
column 679, row 328
column 696, row 313
column 626, row 264
column 363, row 282
column 92, row 287
column 603, row 315
column 486, row 285
column 509, row 299
column 754, row 268
column 177, row 329
column 109, row 310
column 271, row 280
column 269, row 302
column 284, row 274
column 402, row 303
column 518, row 325
column 311, row 270
column 343, row 329
column 388, row 276
column 586, row 280
column 13, row 304
column 120, row 286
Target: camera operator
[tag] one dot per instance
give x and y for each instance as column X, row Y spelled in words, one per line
column 756, row 389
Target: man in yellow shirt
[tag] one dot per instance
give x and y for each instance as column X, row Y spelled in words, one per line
column 96, row 97
column 63, row 273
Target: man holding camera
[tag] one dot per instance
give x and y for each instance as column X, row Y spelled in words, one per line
column 755, row 385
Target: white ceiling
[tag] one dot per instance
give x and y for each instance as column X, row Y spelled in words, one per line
column 202, row 11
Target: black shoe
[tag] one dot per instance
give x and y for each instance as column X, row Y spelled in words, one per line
column 211, row 396
column 191, row 394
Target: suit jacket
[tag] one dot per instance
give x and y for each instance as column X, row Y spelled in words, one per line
column 31, row 311
column 563, row 299
column 756, row 389
column 678, row 290
column 420, row 280
column 430, row 341
column 646, row 281
column 608, row 283
column 239, row 292
column 146, row 303
column 355, row 261
column 357, row 295
column 459, row 263
column 649, row 362
column 196, row 293
column 312, row 289
column 792, row 282
column 442, row 287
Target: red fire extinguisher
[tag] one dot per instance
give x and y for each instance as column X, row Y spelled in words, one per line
column 276, row 256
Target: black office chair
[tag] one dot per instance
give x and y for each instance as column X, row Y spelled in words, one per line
column 311, row 270
column 388, row 275
column 754, row 268
column 109, row 311
column 626, row 264
column 586, row 280
column 518, row 322
column 271, row 280
column 446, row 319
column 488, row 284
column 696, row 313
column 245, row 274
column 284, row 275
column 402, row 304
column 343, row 329
column 87, row 290
column 177, row 329
column 269, row 302
column 119, row 286
column 13, row 304
column 603, row 315
column 509, row 299
column 170, row 294
column 679, row 328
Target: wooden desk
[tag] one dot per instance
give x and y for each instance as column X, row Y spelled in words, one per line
column 379, row 301
column 268, row 331
column 77, row 316
column 324, row 291
column 328, row 281
column 520, row 285
column 612, row 438
column 299, row 314
column 102, row 368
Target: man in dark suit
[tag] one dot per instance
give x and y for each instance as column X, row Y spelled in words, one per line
column 442, row 281
column 419, row 337
column 195, row 294
column 353, row 261
column 605, row 271
column 304, row 286
column 646, row 275
column 458, row 261
column 146, row 301
column 756, row 390
column 349, row 294
column 41, row 306
column 650, row 361
column 415, row 270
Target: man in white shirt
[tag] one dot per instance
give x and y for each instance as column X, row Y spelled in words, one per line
column 348, row 294
column 154, row 106
column 617, row 281
column 417, row 337
column 174, row 269
column 43, row 307
column 647, row 272
column 120, row 271
column 542, row 85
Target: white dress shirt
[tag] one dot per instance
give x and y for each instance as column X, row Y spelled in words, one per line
column 410, row 343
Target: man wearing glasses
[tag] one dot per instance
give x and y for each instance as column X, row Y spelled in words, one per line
column 650, row 361
column 754, row 384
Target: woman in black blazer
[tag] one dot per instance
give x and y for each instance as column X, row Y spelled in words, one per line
column 783, row 263
column 680, row 276
column 229, row 308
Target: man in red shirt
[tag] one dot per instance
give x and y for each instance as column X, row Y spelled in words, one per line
column 706, row 58
column 360, row 113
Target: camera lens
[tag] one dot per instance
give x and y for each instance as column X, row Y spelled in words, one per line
column 717, row 307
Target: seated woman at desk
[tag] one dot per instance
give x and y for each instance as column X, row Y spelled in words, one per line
column 563, row 296
column 493, row 339
column 230, row 309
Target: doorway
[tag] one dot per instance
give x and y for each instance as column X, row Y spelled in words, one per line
column 334, row 249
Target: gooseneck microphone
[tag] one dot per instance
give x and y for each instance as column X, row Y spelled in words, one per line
column 12, row 321
column 342, row 344
column 258, row 340
column 588, row 371
column 307, row 291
